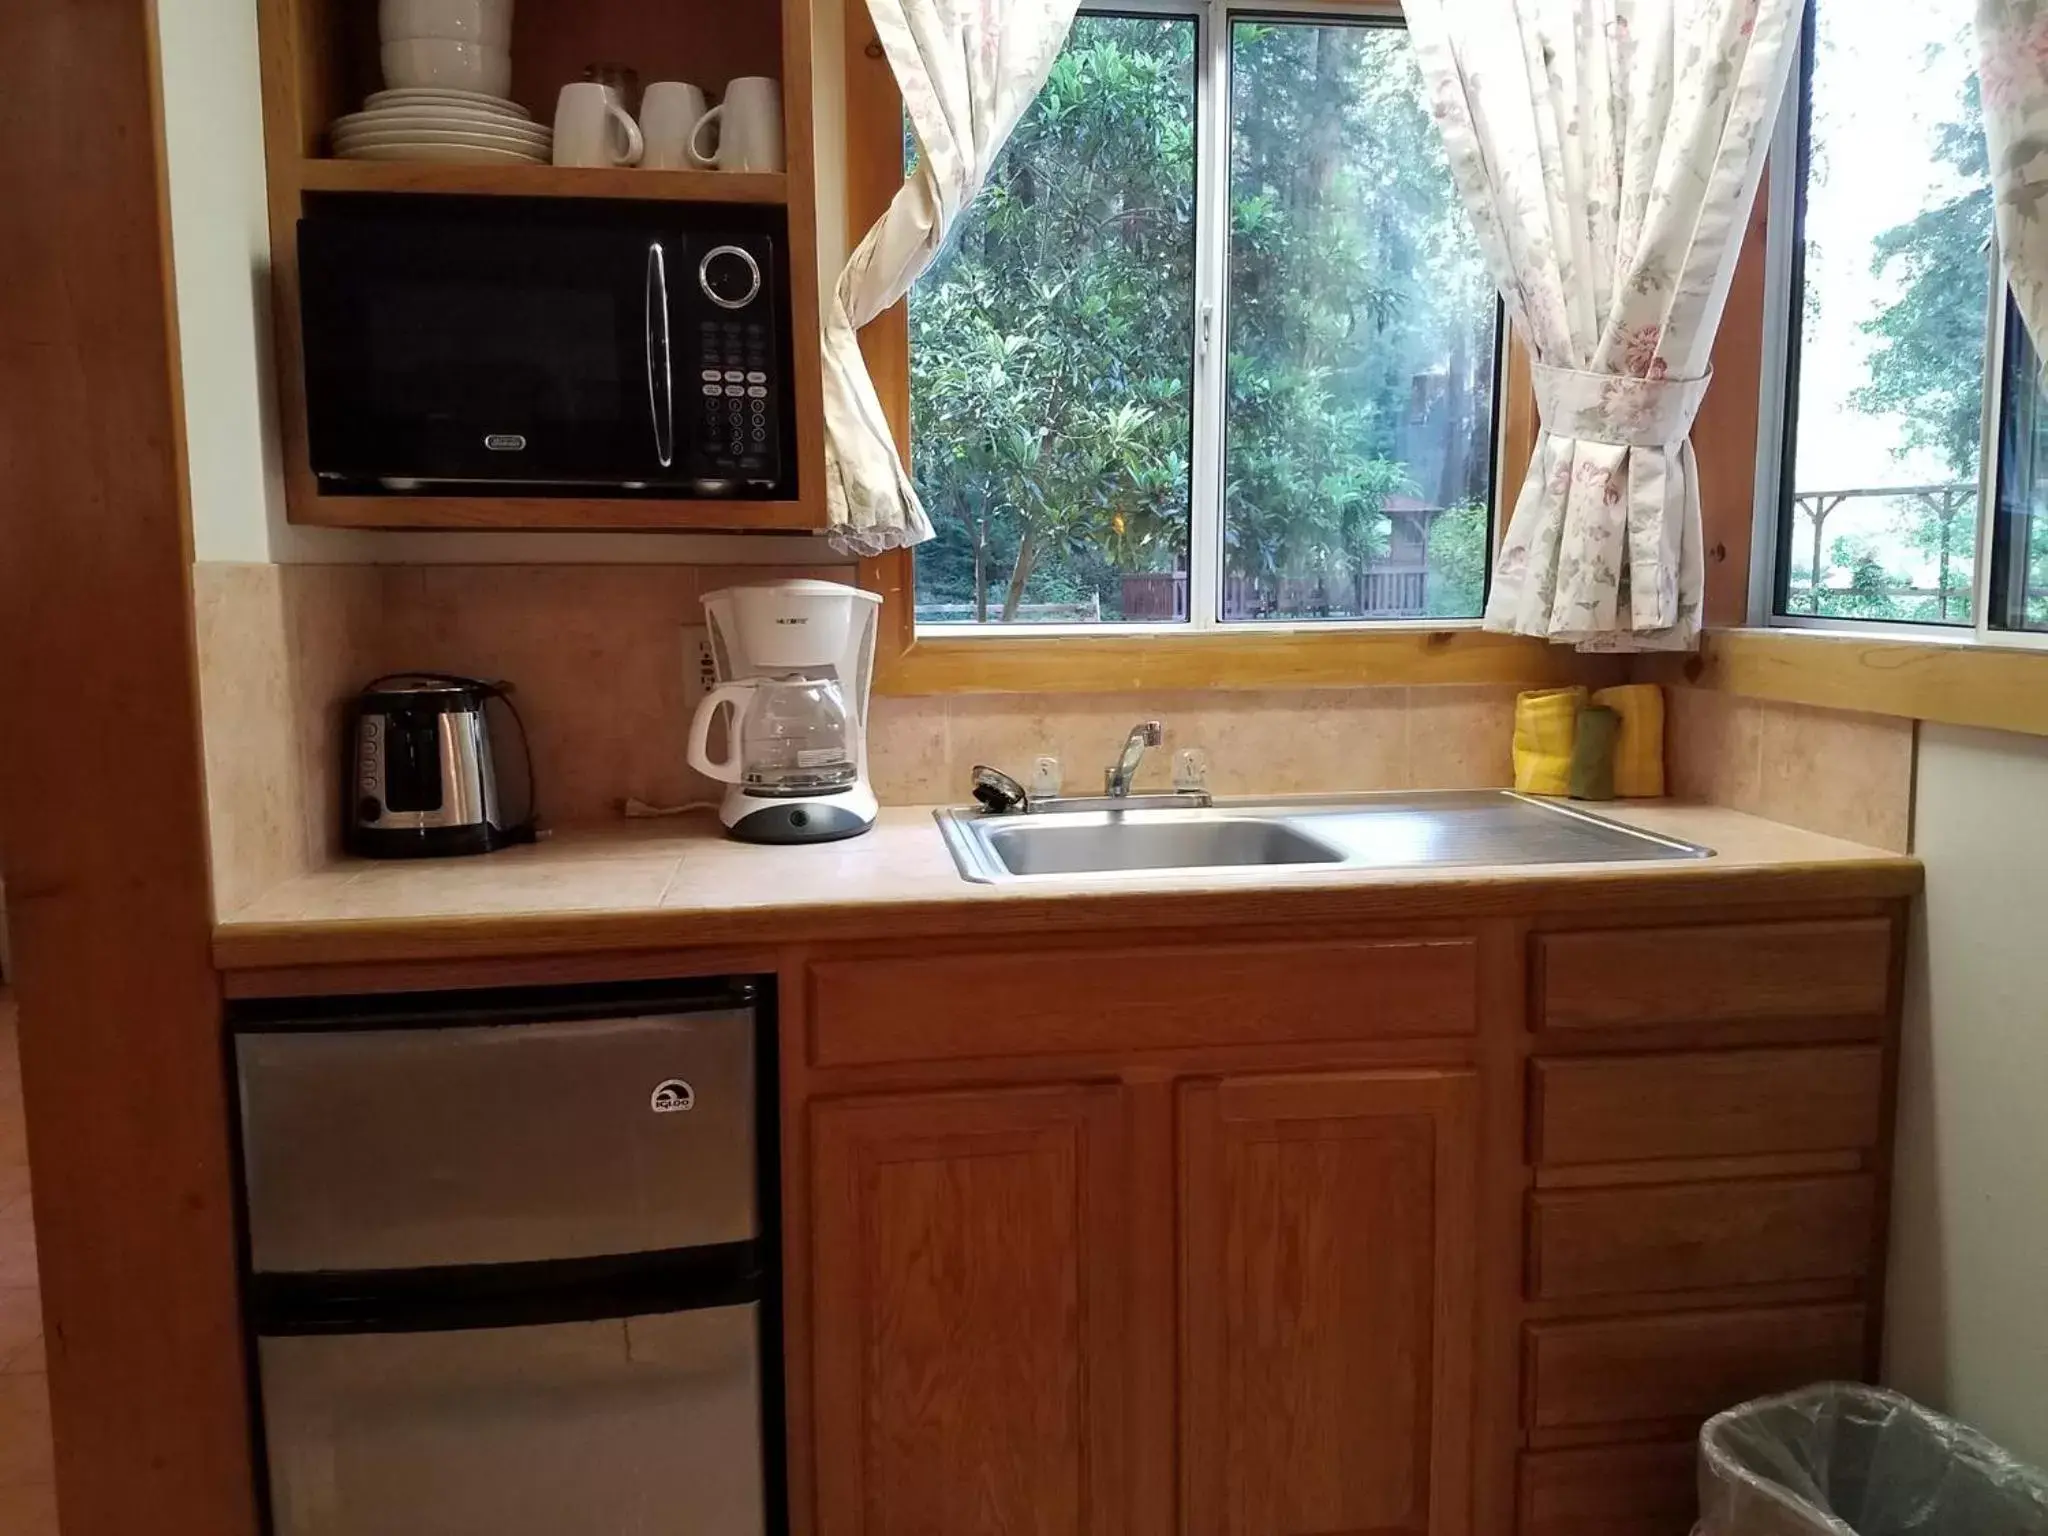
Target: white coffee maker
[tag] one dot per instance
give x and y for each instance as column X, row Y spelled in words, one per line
column 794, row 659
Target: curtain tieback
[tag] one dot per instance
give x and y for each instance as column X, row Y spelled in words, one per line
column 1617, row 409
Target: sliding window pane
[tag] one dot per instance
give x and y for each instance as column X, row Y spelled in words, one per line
column 1880, row 517
column 1363, row 339
column 1052, row 351
column 2019, row 551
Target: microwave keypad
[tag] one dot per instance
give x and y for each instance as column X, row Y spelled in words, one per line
column 736, row 425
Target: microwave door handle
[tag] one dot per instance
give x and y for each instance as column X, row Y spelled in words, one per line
column 660, row 380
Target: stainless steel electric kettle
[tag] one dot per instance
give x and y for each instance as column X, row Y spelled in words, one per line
column 425, row 776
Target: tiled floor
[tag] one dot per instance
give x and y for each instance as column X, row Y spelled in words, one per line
column 28, row 1505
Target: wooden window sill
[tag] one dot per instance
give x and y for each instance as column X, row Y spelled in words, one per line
column 1950, row 681
column 1114, row 661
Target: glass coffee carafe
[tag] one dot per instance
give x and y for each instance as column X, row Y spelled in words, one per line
column 788, row 736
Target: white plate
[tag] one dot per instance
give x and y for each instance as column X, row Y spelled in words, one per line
column 434, row 122
column 447, row 154
column 437, row 112
column 411, row 95
column 442, row 136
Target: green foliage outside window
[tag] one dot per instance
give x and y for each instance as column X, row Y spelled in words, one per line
column 1053, row 344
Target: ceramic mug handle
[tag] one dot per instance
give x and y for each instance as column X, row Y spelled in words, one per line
column 635, row 144
column 697, row 156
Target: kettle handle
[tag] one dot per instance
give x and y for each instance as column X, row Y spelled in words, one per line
column 727, row 771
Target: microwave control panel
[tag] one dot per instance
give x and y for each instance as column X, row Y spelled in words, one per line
column 732, row 394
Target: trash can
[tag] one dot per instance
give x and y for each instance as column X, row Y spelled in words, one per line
column 1841, row 1459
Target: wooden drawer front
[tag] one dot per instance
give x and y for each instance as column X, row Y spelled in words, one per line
column 1631, row 1490
column 1679, row 1237
column 1053, row 1002
column 1716, row 975
column 1616, row 1109
column 1685, row 1365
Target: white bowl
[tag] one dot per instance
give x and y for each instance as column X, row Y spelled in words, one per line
column 488, row 22
column 440, row 61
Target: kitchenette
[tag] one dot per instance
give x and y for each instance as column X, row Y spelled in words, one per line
column 614, row 1012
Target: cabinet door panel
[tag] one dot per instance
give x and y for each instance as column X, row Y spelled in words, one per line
column 1327, row 1231
column 967, row 1297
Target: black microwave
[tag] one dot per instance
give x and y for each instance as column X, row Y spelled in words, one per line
column 534, row 347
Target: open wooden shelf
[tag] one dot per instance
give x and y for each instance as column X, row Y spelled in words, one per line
column 542, row 181
column 320, row 60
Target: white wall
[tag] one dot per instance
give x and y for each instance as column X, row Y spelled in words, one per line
column 1968, row 1314
column 220, row 247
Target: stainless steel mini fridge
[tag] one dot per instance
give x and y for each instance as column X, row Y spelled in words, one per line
column 511, row 1262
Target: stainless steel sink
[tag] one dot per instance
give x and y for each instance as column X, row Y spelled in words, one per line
column 1095, row 842
column 1485, row 827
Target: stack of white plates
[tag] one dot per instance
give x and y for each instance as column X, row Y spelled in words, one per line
column 433, row 123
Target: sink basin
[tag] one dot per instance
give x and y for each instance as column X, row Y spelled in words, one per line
column 1385, row 831
column 1101, row 841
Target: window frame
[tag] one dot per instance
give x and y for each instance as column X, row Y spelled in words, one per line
column 1770, row 576
column 1092, row 658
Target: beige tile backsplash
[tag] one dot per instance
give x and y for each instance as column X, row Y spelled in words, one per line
column 280, row 647
column 596, row 654
column 1826, row 770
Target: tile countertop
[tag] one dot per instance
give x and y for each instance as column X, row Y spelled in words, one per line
column 671, row 884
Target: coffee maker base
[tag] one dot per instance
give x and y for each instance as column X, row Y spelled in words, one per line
column 811, row 819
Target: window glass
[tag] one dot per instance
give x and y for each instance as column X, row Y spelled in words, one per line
column 1363, row 337
column 1887, row 397
column 2019, row 565
column 1052, row 350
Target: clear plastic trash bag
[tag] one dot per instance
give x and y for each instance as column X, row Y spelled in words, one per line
column 1841, row 1459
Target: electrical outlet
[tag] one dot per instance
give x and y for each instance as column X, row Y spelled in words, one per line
column 1045, row 776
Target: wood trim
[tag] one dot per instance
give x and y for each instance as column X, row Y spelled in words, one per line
column 1047, row 1001
column 541, row 181
column 1996, row 688
column 1690, row 892
column 1307, row 657
column 592, row 514
column 1302, row 658
column 1724, row 434
column 125, row 1093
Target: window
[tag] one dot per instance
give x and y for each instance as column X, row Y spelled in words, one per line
column 1215, row 346
column 1894, row 367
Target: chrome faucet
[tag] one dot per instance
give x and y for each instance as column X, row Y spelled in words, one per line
column 1117, row 779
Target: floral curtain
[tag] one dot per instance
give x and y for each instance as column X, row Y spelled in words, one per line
column 967, row 70
column 2012, row 40
column 1609, row 152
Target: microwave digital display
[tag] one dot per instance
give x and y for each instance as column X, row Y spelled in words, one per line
column 541, row 347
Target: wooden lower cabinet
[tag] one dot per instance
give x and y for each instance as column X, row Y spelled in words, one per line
column 1327, row 1291
column 1400, row 1235
column 967, row 1319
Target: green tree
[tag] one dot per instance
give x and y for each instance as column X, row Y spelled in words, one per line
column 1927, row 367
column 1052, row 343
column 1926, row 370
column 1356, row 291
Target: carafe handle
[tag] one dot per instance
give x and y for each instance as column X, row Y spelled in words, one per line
column 727, row 770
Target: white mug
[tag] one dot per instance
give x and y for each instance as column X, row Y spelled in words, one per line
column 591, row 128
column 749, row 127
column 669, row 113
